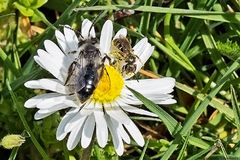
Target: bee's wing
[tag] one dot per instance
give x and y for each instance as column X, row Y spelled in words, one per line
column 70, row 81
column 81, row 68
column 75, row 74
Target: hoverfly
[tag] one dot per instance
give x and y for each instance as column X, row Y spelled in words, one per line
column 122, row 52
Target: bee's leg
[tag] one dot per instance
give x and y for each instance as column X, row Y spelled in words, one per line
column 76, row 31
column 71, row 88
column 108, row 76
column 70, row 71
column 102, row 68
column 107, row 58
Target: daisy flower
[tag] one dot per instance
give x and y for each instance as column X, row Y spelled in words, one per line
column 106, row 111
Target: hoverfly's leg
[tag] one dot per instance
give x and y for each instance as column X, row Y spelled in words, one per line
column 138, row 59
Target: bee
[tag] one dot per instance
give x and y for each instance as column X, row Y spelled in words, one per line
column 86, row 70
column 122, row 52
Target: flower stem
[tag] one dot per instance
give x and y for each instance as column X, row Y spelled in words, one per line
column 25, row 124
column 87, row 152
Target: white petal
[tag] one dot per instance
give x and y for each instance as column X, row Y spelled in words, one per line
column 36, row 59
column 117, row 140
column 121, row 33
column 135, row 110
column 141, row 60
column 115, row 112
column 38, row 116
column 106, row 37
column 57, row 54
column 53, row 49
column 140, row 46
column 61, row 41
column 47, row 84
column 156, row 86
column 135, row 133
column 101, row 126
column 52, row 65
column 86, row 25
column 168, row 101
column 88, row 108
column 75, row 135
column 53, row 108
column 129, row 98
column 77, row 120
column 121, row 131
column 71, row 38
column 47, row 103
column 32, row 102
column 49, row 58
column 88, row 131
column 60, row 134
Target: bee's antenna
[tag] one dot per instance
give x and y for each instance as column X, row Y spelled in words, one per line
column 76, row 31
column 101, row 15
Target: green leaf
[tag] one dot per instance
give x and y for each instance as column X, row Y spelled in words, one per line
column 35, row 18
column 38, row 3
column 26, row 3
column 25, row 11
column 3, row 5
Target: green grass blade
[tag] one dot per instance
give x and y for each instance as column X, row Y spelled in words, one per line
column 13, row 154
column 193, row 118
column 171, row 54
column 200, row 154
column 145, row 20
column 19, row 82
column 171, row 124
column 25, row 124
column 211, row 47
column 199, row 14
column 184, row 147
column 215, row 103
column 8, row 63
column 144, row 150
column 236, row 109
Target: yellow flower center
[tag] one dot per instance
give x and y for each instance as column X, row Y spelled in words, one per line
column 109, row 87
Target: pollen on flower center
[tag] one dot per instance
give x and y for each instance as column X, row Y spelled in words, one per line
column 109, row 87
